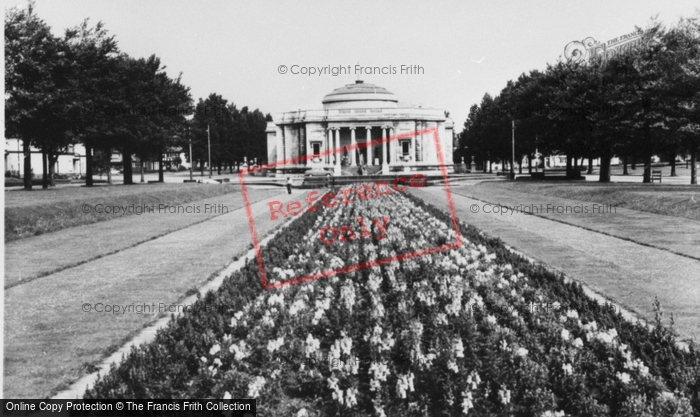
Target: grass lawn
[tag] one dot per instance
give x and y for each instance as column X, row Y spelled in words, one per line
column 50, row 341
column 669, row 200
column 30, row 213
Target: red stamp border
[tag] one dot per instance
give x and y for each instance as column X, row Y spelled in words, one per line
column 298, row 280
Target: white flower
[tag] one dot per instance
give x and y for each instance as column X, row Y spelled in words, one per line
column 302, row 413
column 380, row 372
column 255, row 388
column 214, row 349
column 624, row 377
column 312, row 345
column 567, row 368
column 564, row 334
column 273, row 345
column 467, row 402
column 337, row 392
column 458, row 348
column 240, row 351
column 404, row 383
column 578, row 343
column 522, row 352
column 351, row 397
column 227, row 395
column 491, row 319
column 504, row 396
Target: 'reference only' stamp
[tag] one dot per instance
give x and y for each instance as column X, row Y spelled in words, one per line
column 365, row 227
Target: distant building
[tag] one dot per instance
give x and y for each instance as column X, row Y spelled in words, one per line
column 72, row 161
column 356, row 114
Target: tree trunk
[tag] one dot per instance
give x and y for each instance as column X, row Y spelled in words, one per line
column 490, row 167
column 142, row 170
column 230, row 167
column 26, row 147
column 693, row 167
column 624, row 166
column 109, row 167
column 128, row 169
column 634, row 163
column 88, row 164
column 45, row 171
column 569, row 168
column 647, row 169
column 201, row 167
column 218, row 167
column 160, row 167
column 53, row 159
column 529, row 164
column 520, row 166
column 673, row 166
column 590, row 166
column 604, row 175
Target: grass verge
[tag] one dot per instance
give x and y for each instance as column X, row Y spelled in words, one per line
column 668, row 200
column 31, row 213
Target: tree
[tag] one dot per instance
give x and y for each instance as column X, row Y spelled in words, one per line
column 31, row 55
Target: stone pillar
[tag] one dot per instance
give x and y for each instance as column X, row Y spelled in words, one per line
column 385, row 152
column 412, row 151
column 327, row 145
column 336, row 152
column 280, row 145
column 392, row 156
column 309, row 151
column 352, row 146
column 370, row 157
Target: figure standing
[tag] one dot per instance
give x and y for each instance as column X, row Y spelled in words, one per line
column 289, row 185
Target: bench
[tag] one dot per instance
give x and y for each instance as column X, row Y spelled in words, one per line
column 655, row 175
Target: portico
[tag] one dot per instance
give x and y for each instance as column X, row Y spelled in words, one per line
column 354, row 116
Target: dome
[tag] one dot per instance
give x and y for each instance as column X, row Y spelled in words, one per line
column 359, row 95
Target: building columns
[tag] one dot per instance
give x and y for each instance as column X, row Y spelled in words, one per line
column 392, row 144
column 336, row 152
column 370, row 157
column 352, row 146
column 280, row 145
column 385, row 152
column 412, row 151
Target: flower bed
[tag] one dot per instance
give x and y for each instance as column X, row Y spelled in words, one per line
column 476, row 331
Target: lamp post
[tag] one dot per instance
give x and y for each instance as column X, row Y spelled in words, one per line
column 209, row 146
column 512, row 161
column 191, row 159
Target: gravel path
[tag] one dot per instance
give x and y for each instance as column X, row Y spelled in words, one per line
column 629, row 273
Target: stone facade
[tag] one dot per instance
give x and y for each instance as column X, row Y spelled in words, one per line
column 354, row 115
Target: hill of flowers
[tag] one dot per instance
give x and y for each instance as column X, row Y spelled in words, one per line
column 476, row 330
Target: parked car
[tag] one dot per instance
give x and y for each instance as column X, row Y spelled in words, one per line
column 318, row 172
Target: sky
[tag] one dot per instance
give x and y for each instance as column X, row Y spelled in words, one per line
column 463, row 49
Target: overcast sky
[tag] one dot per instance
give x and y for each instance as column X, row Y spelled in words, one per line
column 466, row 49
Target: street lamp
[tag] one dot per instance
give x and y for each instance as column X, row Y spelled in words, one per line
column 512, row 161
column 189, row 135
column 209, row 146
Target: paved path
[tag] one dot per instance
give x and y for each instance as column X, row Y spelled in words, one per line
column 674, row 234
column 629, row 273
column 49, row 339
column 32, row 257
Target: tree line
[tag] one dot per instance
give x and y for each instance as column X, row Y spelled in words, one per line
column 80, row 88
column 635, row 105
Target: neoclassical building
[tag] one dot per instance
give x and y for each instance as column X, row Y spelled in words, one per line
column 353, row 115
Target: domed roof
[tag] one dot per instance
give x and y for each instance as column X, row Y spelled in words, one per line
column 360, row 94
